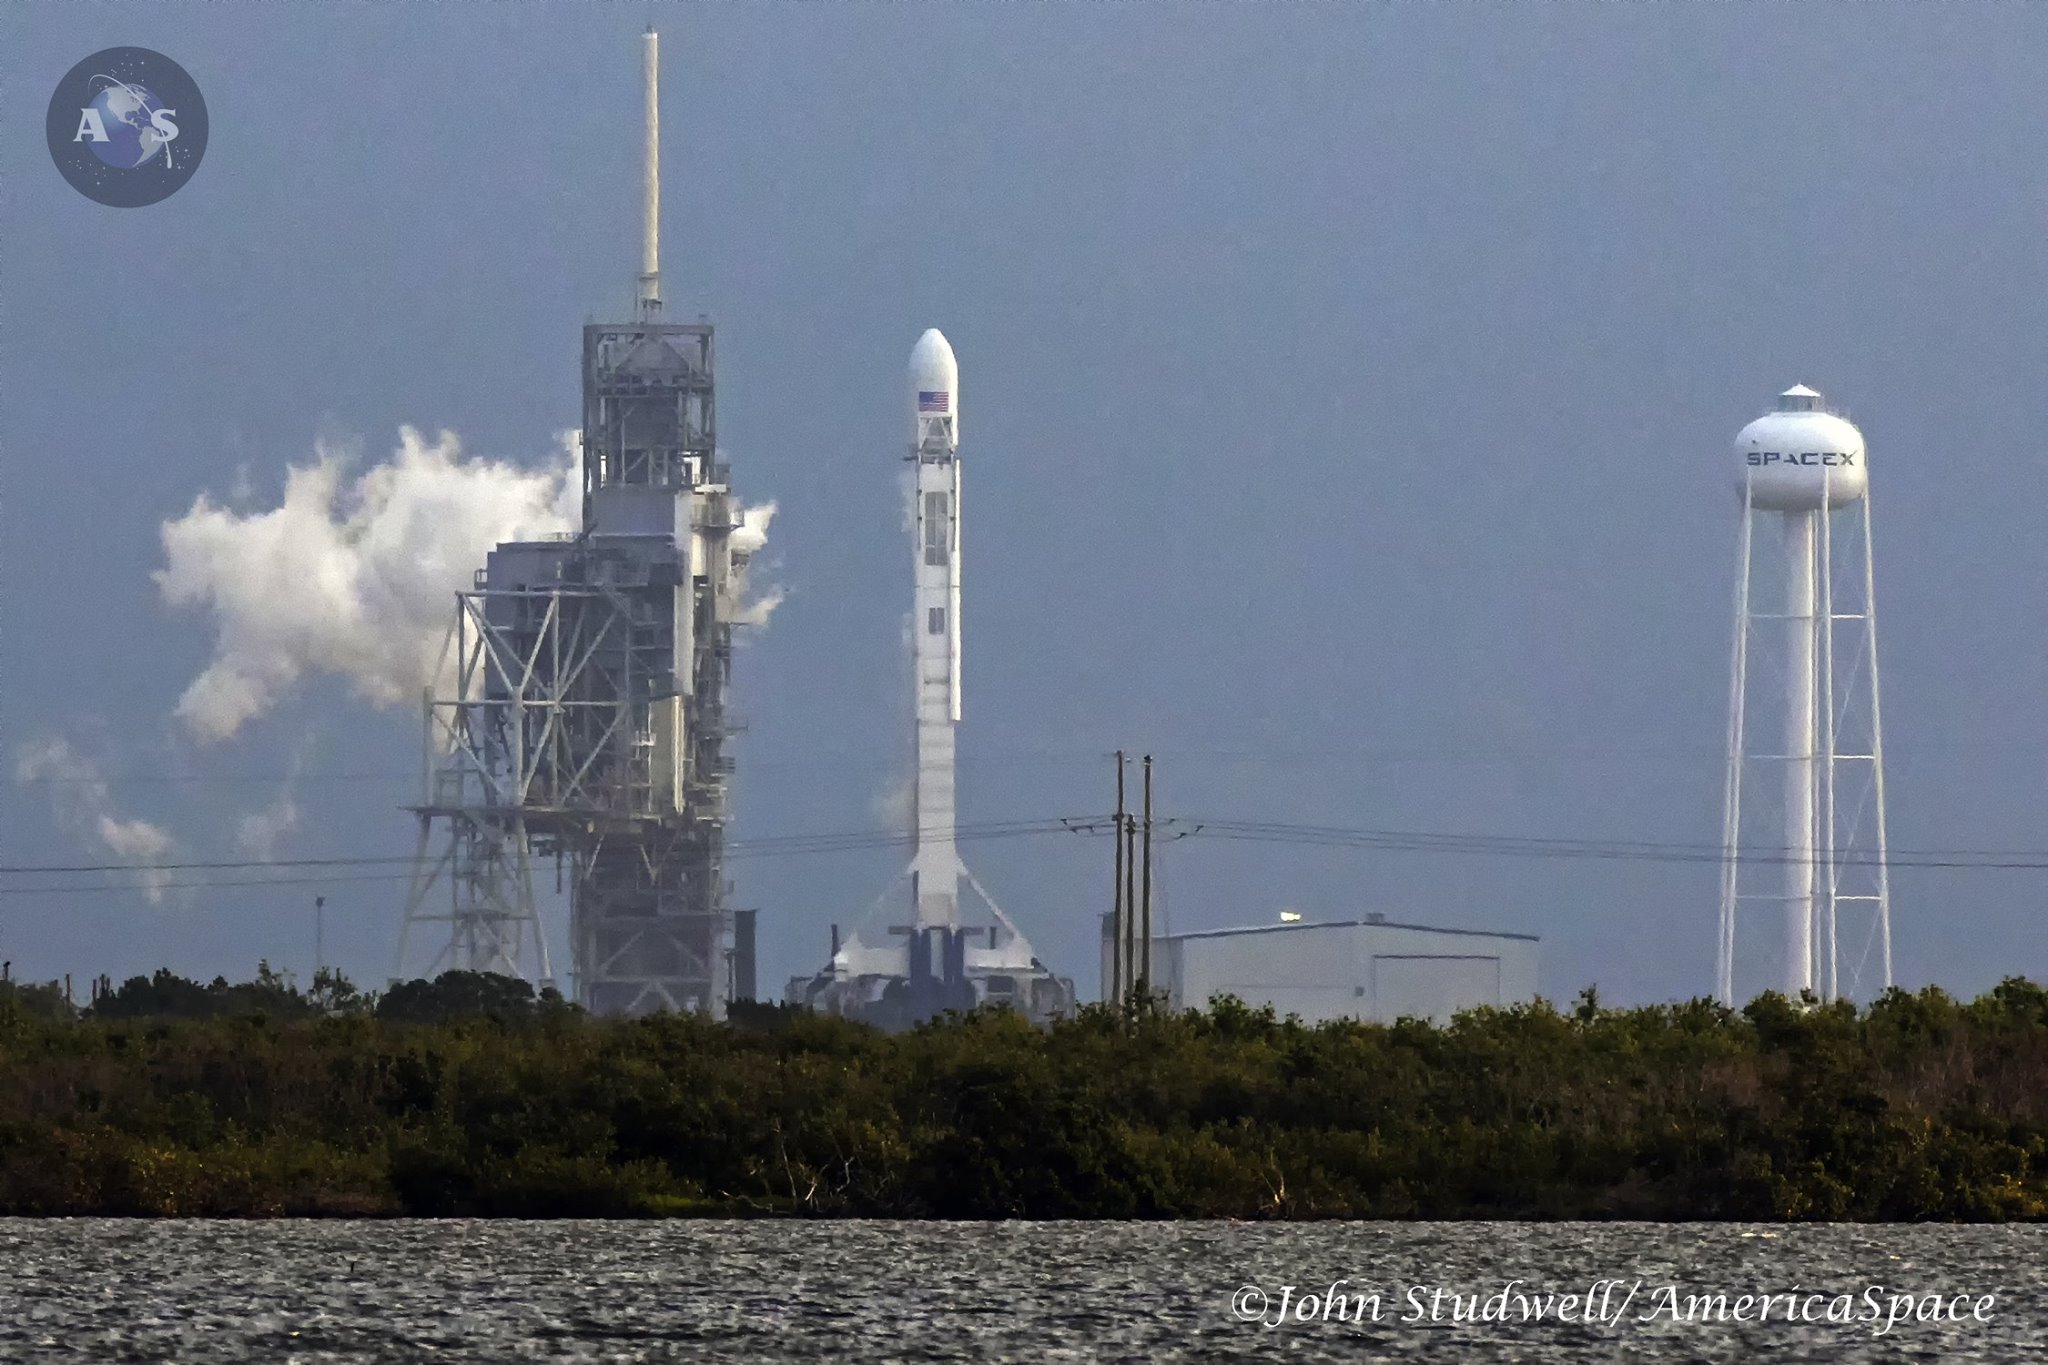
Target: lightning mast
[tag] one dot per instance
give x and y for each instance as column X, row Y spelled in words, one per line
column 650, row 178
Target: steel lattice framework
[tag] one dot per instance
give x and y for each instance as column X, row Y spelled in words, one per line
column 584, row 715
column 585, row 720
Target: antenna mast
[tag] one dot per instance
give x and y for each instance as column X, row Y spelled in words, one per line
column 650, row 235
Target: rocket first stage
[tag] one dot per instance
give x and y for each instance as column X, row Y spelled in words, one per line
column 890, row 972
column 935, row 623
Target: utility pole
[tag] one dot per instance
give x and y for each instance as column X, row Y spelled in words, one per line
column 319, row 934
column 1145, row 960
column 1130, row 899
column 1116, row 891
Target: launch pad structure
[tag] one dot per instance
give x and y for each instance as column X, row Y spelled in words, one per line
column 583, row 715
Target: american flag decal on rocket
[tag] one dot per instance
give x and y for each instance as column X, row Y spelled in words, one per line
column 938, row 401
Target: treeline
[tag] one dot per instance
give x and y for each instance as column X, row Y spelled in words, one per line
column 470, row 1095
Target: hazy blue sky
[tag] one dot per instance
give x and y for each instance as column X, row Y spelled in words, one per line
column 1347, row 393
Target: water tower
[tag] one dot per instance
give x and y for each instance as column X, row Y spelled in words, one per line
column 1803, row 823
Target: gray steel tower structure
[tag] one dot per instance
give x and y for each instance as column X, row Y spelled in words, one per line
column 585, row 719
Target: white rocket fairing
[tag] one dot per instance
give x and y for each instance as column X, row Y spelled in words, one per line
column 934, row 391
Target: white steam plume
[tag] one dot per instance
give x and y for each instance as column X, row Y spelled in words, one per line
column 352, row 576
column 746, row 541
column 752, row 532
column 895, row 806
column 757, row 611
column 260, row 832
column 84, row 807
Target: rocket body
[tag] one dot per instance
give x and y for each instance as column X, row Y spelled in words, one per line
column 941, row 958
column 934, row 389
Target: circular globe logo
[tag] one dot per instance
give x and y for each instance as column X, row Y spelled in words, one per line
column 127, row 127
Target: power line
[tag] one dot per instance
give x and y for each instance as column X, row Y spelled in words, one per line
column 141, row 882
column 136, row 876
column 1275, row 755
column 865, row 839
column 21, row 869
column 131, row 779
column 1410, row 841
column 139, row 876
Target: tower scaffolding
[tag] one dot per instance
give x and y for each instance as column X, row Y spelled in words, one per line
column 585, row 718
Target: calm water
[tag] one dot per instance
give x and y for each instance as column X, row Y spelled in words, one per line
column 472, row 1291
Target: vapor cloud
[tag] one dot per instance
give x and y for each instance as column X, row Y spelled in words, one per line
column 747, row 540
column 752, row 532
column 895, row 806
column 84, row 806
column 260, row 833
column 352, row 575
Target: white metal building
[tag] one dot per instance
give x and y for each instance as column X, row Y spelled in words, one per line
column 1351, row 969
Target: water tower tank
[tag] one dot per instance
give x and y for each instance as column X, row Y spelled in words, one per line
column 1800, row 456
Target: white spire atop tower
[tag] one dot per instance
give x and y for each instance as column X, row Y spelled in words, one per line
column 650, row 180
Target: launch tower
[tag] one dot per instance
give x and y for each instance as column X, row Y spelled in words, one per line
column 585, row 717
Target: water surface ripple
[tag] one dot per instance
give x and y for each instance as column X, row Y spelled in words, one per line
column 114, row 1291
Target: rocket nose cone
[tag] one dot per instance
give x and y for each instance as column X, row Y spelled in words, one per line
column 934, row 387
column 932, row 358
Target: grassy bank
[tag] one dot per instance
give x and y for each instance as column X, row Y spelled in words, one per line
column 469, row 1096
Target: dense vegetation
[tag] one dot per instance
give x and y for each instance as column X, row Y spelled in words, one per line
column 469, row 1095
